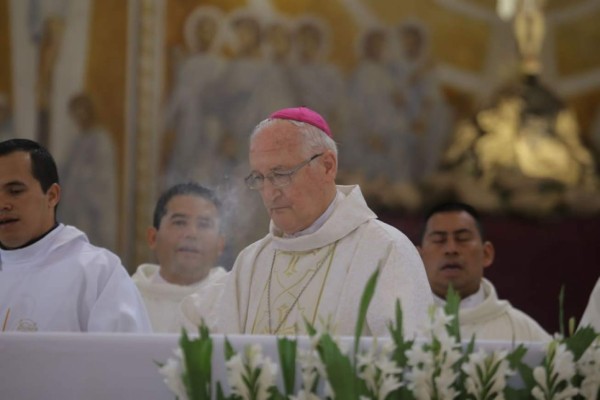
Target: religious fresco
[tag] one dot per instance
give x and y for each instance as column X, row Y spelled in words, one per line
column 172, row 90
column 376, row 83
column 68, row 92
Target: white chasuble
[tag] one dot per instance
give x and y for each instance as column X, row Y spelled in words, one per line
column 293, row 291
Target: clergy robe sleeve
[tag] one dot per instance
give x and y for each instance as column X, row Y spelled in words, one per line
column 118, row 306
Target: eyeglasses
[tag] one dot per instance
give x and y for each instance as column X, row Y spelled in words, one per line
column 278, row 179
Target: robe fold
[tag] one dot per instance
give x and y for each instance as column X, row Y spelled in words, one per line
column 163, row 299
column 496, row 319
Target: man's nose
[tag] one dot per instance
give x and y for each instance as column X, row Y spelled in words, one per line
column 269, row 191
column 450, row 246
column 191, row 231
column 5, row 204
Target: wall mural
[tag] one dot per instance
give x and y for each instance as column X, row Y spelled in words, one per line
column 428, row 100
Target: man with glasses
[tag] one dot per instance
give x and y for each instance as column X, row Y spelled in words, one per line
column 323, row 243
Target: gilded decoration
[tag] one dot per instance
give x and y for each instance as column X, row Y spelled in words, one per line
column 522, row 153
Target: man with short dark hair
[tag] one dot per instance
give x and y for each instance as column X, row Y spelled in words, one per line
column 455, row 253
column 51, row 277
column 187, row 241
column 323, row 245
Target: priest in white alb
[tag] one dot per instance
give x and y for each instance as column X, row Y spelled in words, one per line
column 51, row 278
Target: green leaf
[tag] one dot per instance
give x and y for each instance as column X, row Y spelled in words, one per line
column 228, row 349
column 516, row 394
column 287, row 359
column 198, row 364
column 397, row 335
column 365, row 300
column 580, row 341
column 451, row 308
column 403, row 393
column 220, row 394
column 561, row 311
column 274, row 394
column 515, row 361
column 339, row 369
column 310, row 329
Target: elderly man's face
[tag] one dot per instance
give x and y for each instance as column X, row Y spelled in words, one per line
column 292, row 208
column 26, row 212
column 453, row 252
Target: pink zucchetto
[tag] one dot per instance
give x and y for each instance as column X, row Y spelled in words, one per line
column 303, row 114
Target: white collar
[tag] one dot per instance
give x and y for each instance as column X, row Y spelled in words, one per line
column 318, row 223
column 468, row 302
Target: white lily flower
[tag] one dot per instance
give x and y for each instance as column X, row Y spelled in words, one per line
column 417, row 356
column 311, row 367
column 588, row 367
column 564, row 364
column 557, row 373
column 437, row 327
column 387, row 385
column 172, row 371
column 388, row 366
column 479, row 368
column 240, row 369
column 443, row 384
column 236, row 371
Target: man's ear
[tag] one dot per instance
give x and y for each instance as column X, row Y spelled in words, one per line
column 53, row 194
column 488, row 254
column 330, row 163
column 151, row 237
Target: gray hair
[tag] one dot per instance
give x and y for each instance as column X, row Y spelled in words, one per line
column 313, row 138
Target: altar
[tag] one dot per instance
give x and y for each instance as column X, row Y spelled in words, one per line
column 75, row 366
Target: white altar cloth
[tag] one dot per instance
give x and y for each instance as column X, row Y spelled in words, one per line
column 93, row 366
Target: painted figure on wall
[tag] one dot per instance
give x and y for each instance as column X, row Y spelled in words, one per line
column 419, row 96
column 278, row 46
column 247, row 90
column 319, row 83
column 89, row 179
column 50, row 48
column 189, row 111
column 239, row 106
column 47, row 20
column 376, row 121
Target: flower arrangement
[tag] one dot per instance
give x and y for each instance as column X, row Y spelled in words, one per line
column 437, row 366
